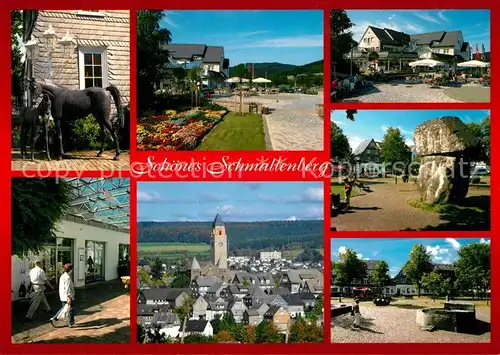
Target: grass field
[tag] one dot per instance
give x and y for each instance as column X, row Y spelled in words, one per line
column 160, row 248
column 339, row 189
column 236, row 132
column 200, row 250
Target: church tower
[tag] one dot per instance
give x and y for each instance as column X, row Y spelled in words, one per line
column 219, row 244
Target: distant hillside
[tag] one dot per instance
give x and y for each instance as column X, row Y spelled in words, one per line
column 273, row 69
column 241, row 235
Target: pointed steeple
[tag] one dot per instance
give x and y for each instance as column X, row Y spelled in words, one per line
column 195, row 265
column 218, row 221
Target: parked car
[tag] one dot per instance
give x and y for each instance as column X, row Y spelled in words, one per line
column 481, row 171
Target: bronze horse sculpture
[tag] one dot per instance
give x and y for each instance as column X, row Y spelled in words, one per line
column 69, row 105
column 29, row 119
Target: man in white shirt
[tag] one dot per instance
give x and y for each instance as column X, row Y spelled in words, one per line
column 38, row 281
column 66, row 295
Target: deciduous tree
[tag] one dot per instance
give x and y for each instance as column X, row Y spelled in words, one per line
column 433, row 283
column 473, row 267
column 419, row 263
column 37, row 206
column 394, row 151
column 151, row 58
column 348, row 268
column 380, row 275
column 339, row 144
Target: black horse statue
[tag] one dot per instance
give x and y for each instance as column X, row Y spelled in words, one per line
column 29, row 119
column 69, row 105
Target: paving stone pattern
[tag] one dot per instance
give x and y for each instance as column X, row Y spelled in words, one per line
column 102, row 316
column 392, row 324
column 76, row 161
column 399, row 92
column 293, row 123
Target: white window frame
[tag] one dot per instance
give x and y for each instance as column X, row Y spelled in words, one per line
column 97, row 13
column 81, row 64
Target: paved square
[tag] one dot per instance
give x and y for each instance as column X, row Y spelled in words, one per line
column 396, row 323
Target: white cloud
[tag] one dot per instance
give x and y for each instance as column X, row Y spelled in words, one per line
column 143, row 196
column 338, row 122
column 313, row 194
column 342, row 250
column 484, row 241
column 374, row 253
column 413, row 28
column 360, row 256
column 453, row 242
column 355, row 141
column 440, row 255
column 307, row 41
column 442, row 16
column 250, row 34
column 313, row 212
column 291, row 218
column 168, row 19
column 426, row 17
column 360, row 27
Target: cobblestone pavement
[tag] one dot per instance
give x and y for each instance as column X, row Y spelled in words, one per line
column 75, row 161
column 293, row 123
column 385, row 208
column 397, row 91
column 397, row 324
column 102, row 316
column 110, row 325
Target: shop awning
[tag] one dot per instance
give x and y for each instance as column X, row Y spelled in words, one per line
column 103, row 200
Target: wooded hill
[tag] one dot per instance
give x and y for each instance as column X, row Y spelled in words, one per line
column 273, row 235
column 273, row 69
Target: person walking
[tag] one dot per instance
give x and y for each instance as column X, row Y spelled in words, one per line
column 357, row 314
column 347, row 190
column 38, row 281
column 66, row 295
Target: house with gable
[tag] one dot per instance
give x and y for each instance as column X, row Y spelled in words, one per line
column 279, row 316
column 214, row 66
column 90, row 48
column 395, row 49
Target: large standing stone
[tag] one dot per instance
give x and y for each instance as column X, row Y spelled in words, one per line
column 443, row 136
column 443, row 179
column 444, row 145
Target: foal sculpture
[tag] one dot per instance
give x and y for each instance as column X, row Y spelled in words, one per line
column 69, row 105
column 30, row 118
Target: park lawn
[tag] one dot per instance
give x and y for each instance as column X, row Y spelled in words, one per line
column 236, row 132
column 444, row 208
column 339, row 189
column 469, row 93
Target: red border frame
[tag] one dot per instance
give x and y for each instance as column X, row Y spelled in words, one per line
column 326, row 348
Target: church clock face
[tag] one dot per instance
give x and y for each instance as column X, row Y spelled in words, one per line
column 221, row 244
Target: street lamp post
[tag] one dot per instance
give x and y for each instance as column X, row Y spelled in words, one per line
column 50, row 41
column 31, row 53
column 352, row 50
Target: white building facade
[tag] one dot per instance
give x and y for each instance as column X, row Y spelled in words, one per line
column 94, row 248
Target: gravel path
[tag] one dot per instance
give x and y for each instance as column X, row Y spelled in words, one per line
column 385, row 208
column 397, row 91
column 393, row 324
column 293, row 123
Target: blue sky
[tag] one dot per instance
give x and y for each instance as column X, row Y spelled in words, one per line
column 242, row 201
column 474, row 24
column 373, row 123
column 288, row 37
column 395, row 251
